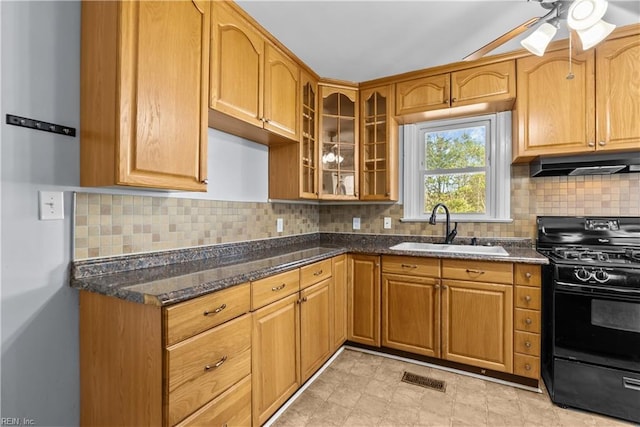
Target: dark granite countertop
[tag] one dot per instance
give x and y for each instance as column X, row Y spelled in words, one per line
column 169, row 277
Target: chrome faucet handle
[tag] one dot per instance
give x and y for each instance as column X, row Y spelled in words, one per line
column 474, row 241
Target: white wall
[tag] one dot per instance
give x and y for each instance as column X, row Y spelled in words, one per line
column 40, row 63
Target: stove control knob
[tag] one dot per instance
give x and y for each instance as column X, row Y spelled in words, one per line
column 601, row 276
column 582, row 274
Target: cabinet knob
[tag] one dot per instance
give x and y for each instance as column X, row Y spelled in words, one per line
column 602, row 143
column 527, row 367
column 591, row 144
column 454, row 99
column 527, row 275
column 528, row 321
column 205, row 181
column 446, row 101
column 444, row 286
column 436, row 286
column 527, row 298
column 527, row 344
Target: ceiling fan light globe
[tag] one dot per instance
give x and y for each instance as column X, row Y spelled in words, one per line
column 595, row 34
column 538, row 41
column 583, row 14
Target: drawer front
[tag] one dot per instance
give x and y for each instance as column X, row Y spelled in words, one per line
column 527, row 366
column 231, row 408
column 527, row 320
column 527, row 275
column 314, row 273
column 528, row 297
column 413, row 266
column 189, row 318
column 202, row 367
column 526, row 343
column 478, row 271
column 270, row 289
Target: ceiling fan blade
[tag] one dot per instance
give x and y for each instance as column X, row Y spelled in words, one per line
column 502, row 39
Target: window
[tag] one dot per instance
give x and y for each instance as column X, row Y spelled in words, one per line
column 463, row 163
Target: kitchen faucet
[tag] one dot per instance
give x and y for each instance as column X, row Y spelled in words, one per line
column 450, row 234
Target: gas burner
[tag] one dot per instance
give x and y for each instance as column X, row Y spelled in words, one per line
column 581, row 254
column 632, row 254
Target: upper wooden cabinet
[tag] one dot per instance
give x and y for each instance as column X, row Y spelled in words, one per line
column 492, row 87
column 378, row 145
column 293, row 168
column 618, row 94
column 251, row 79
column 596, row 110
column 338, row 139
column 144, row 86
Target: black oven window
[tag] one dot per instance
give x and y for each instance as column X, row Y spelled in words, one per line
column 624, row 316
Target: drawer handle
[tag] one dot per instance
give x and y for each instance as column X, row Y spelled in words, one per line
column 527, row 298
column 528, row 321
column 475, row 271
column 317, row 273
column 527, row 367
column 216, row 311
column 409, row 266
column 527, row 344
column 215, row 365
column 278, row 288
column 631, row 383
column 527, row 275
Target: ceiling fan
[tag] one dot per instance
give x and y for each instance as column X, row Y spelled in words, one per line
column 583, row 16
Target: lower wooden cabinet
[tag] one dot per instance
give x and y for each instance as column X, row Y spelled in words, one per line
column 316, row 344
column 364, row 299
column 339, row 301
column 411, row 314
column 477, row 324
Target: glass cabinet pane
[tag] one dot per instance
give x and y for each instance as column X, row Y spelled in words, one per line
column 374, row 149
column 309, row 144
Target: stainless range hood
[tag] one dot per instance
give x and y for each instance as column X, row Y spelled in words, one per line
column 596, row 164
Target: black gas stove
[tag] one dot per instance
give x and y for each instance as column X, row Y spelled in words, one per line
column 591, row 313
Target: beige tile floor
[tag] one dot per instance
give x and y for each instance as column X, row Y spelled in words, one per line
column 360, row 389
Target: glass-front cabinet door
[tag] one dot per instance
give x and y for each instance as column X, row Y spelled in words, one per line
column 379, row 176
column 309, row 140
column 338, row 143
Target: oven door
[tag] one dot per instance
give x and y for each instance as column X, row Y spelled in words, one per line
column 595, row 325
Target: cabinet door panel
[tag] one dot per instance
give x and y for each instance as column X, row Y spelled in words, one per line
column 477, row 324
column 364, row 299
column 281, row 97
column 315, row 327
column 340, row 300
column 425, row 94
column 163, row 81
column 618, row 94
column 493, row 82
column 555, row 115
column 276, row 356
column 237, row 66
column 411, row 314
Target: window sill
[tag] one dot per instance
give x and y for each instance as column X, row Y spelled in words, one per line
column 461, row 220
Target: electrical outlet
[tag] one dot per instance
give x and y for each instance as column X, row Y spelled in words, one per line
column 51, row 205
column 387, row 222
column 279, row 225
column 356, row 223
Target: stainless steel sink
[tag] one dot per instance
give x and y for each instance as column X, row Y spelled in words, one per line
column 451, row 249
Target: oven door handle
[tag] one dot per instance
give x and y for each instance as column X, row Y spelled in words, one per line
column 631, row 383
column 597, row 290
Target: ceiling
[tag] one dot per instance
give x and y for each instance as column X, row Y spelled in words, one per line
column 364, row 40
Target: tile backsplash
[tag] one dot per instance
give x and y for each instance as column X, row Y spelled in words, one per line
column 108, row 225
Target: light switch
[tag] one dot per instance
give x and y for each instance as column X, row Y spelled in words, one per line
column 387, row 222
column 51, row 205
column 279, row 225
column 356, row 223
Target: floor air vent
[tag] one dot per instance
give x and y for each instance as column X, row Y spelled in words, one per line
column 426, row 382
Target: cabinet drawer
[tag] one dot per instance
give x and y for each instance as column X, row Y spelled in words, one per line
column 231, row 408
column 270, row 289
column 528, row 297
column 478, row 271
column 189, row 318
column 527, row 275
column 414, row 266
column 527, row 366
column 202, row 367
column 314, row 273
column 527, row 320
column 527, row 343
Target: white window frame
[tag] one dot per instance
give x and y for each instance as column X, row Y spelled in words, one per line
column 498, row 168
